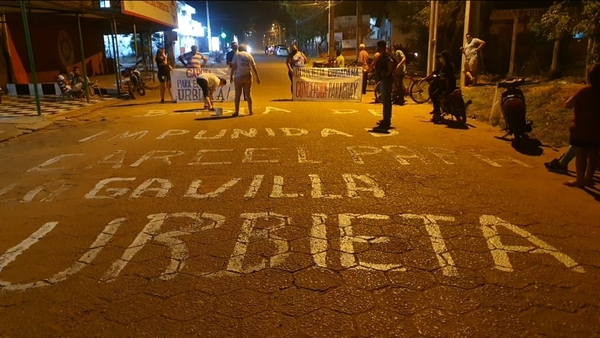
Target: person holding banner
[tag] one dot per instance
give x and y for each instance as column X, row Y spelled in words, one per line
column 208, row 84
column 296, row 59
column 242, row 67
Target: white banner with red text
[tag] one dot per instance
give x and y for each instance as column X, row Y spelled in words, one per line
column 185, row 88
column 327, row 84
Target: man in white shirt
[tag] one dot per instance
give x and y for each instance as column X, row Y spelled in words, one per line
column 363, row 61
column 242, row 67
column 209, row 83
column 193, row 59
column 471, row 48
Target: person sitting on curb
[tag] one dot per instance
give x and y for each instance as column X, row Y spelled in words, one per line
column 561, row 164
column 208, row 84
column 65, row 86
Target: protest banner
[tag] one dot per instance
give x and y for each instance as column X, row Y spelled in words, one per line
column 327, row 84
column 185, row 88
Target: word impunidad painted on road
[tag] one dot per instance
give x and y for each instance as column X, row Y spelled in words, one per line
column 263, row 226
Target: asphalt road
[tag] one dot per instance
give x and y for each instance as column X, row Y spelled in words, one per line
column 147, row 219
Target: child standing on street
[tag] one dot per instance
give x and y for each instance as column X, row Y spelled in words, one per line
column 585, row 130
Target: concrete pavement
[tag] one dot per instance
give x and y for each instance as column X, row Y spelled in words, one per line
column 148, row 219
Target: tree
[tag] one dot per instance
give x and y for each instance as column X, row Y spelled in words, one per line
column 557, row 23
column 589, row 25
column 310, row 18
column 413, row 16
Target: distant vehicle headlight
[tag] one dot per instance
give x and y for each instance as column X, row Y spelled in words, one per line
column 249, row 49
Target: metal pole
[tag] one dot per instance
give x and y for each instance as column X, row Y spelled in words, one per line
column 150, row 48
column 466, row 30
column 331, row 49
column 114, row 48
column 83, row 66
column 135, row 42
column 431, row 52
column 435, row 33
column 513, row 44
column 358, row 27
column 208, row 29
column 31, row 61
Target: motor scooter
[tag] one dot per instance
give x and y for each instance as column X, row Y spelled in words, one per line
column 514, row 109
column 452, row 104
column 133, row 79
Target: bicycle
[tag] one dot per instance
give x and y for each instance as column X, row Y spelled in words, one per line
column 414, row 87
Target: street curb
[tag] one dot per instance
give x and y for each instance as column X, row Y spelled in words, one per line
column 25, row 129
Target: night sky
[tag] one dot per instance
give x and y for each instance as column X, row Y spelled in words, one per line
column 234, row 16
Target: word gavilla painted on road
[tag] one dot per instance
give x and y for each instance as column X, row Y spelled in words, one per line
column 256, row 227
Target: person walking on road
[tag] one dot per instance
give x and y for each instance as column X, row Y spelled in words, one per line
column 363, row 61
column 164, row 74
column 242, row 67
column 585, row 130
column 295, row 60
column 384, row 72
column 399, row 73
column 208, row 84
column 231, row 53
column 193, row 59
column 471, row 50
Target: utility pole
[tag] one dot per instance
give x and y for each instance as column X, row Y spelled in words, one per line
column 358, row 26
column 466, row 30
column 513, row 44
column 433, row 22
column 331, row 43
column 208, row 33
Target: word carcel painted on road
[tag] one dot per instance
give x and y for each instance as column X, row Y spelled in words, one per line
column 346, row 248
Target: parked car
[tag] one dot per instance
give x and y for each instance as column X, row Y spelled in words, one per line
column 282, row 50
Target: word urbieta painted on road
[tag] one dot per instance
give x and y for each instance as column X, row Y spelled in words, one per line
column 317, row 237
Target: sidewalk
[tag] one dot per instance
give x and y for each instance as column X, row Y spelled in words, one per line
column 18, row 114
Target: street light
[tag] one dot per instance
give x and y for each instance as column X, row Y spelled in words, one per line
column 223, row 35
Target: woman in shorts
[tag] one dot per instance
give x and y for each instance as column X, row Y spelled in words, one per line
column 164, row 74
column 585, row 130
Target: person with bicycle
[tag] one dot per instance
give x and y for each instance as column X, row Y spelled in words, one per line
column 399, row 74
column 443, row 83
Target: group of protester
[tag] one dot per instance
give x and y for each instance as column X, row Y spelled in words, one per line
column 72, row 84
column 242, row 73
column 389, row 67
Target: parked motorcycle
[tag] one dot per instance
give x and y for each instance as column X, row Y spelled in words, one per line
column 452, row 104
column 133, row 79
column 514, row 109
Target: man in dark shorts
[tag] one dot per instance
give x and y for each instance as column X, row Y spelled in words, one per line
column 208, row 84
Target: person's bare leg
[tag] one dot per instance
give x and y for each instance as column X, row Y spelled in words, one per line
column 580, row 166
column 162, row 91
column 169, row 89
column 238, row 94
column 592, row 165
column 248, row 94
